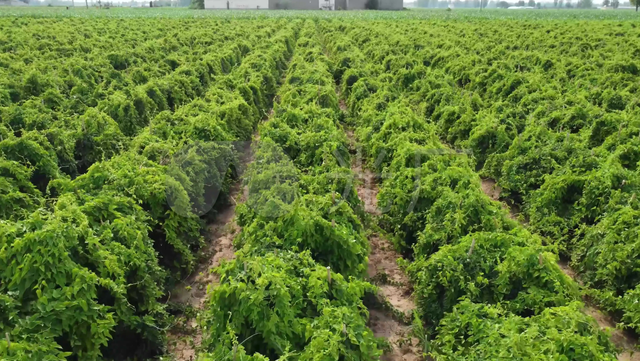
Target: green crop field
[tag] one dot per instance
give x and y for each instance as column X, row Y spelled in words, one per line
column 445, row 185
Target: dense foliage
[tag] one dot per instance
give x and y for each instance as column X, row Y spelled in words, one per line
column 548, row 111
column 117, row 143
column 404, row 102
column 294, row 290
column 108, row 160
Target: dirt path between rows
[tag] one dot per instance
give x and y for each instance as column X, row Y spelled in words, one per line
column 395, row 291
column 490, row 188
column 394, row 286
column 185, row 337
column 622, row 339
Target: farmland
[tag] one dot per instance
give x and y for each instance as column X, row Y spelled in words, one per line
column 241, row 185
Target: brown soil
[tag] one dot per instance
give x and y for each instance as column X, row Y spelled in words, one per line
column 493, row 190
column 365, row 184
column 404, row 347
column 343, row 105
column 185, row 337
column 341, row 102
column 566, row 269
column 219, row 247
column 394, row 285
column 621, row 339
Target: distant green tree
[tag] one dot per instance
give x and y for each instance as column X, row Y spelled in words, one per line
column 615, row 4
column 568, row 4
column 520, row 3
column 585, row 4
column 502, row 4
column 531, row 3
column 197, row 4
column 636, row 3
column 606, row 3
column 555, row 3
column 560, row 3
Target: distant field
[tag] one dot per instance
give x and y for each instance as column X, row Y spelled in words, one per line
column 548, row 14
column 495, row 153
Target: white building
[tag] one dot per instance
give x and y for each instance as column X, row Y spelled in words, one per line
column 236, row 4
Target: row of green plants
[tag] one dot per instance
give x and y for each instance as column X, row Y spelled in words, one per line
column 294, row 290
column 87, row 271
column 549, row 111
column 114, row 134
column 90, row 61
column 485, row 287
column 88, row 110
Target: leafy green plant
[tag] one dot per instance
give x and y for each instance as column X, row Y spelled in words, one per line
column 477, row 331
column 491, row 268
column 287, row 302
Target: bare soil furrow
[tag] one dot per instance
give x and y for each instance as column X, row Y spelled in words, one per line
column 185, row 337
column 383, row 270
